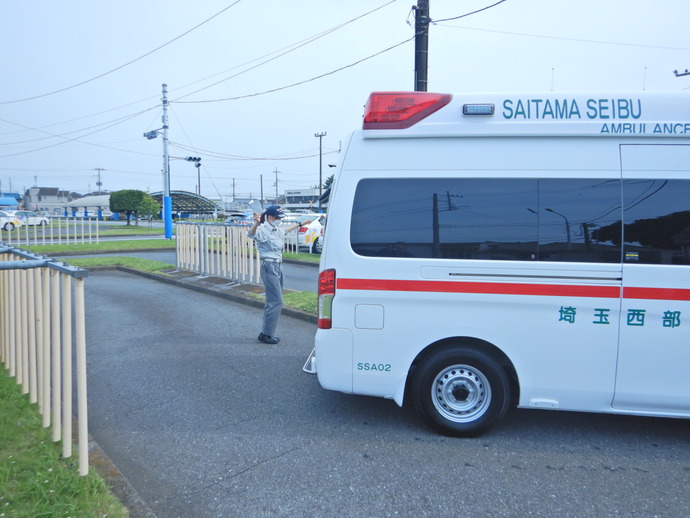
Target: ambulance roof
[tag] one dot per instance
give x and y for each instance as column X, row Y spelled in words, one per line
column 600, row 114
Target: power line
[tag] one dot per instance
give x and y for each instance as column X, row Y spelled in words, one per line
column 281, row 52
column 225, row 156
column 300, row 82
column 62, row 135
column 291, row 47
column 468, row 14
column 578, row 40
column 70, row 139
column 126, row 64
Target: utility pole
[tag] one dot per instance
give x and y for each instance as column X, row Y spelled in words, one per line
column 167, row 200
column 99, row 183
column 261, row 199
column 320, row 136
column 276, row 172
column 436, row 241
column 421, row 45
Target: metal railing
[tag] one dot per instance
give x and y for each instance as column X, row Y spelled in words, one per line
column 41, row 322
column 220, row 250
column 59, row 230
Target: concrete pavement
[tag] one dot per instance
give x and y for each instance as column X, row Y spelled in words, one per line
column 162, row 364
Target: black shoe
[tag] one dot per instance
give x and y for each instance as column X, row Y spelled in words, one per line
column 268, row 339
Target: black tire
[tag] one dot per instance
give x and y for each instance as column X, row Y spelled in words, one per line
column 8, row 226
column 460, row 391
column 317, row 247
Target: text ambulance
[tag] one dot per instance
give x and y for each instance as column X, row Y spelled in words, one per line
column 491, row 250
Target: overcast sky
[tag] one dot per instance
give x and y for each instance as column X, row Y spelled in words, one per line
column 82, row 78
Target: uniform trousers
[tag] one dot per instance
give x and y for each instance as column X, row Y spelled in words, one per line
column 272, row 277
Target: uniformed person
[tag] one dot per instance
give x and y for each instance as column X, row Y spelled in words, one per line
column 269, row 237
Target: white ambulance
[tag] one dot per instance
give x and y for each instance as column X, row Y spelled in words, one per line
column 485, row 251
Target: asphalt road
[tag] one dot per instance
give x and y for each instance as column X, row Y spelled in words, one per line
column 206, row 422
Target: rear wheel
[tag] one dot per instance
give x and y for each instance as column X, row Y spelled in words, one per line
column 8, row 226
column 317, row 247
column 461, row 391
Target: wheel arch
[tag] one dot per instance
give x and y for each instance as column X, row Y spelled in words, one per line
column 467, row 341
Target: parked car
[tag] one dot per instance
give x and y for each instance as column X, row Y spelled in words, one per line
column 9, row 221
column 292, row 217
column 310, row 236
column 28, row 217
column 240, row 218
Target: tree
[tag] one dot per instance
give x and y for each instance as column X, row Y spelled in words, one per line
column 133, row 202
column 661, row 232
column 328, row 182
column 149, row 207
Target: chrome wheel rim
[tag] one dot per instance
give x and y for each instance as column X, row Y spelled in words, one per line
column 461, row 393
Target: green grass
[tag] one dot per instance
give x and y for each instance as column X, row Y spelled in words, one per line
column 103, row 230
column 302, row 300
column 307, row 258
column 125, row 230
column 136, row 244
column 104, row 246
column 306, row 301
column 136, row 263
column 35, row 481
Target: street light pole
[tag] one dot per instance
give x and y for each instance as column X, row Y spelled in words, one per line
column 167, row 200
column 567, row 224
column 320, row 137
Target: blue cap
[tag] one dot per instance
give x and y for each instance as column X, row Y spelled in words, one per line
column 275, row 211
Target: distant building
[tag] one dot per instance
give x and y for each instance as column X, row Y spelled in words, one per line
column 9, row 200
column 89, row 206
column 299, row 199
column 49, row 200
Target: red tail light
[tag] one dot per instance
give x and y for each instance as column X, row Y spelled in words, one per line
column 326, row 292
column 399, row 110
column 302, row 230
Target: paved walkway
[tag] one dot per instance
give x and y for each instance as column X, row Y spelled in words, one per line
column 171, row 372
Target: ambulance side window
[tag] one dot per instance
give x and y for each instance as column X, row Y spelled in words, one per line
column 517, row 219
column 656, row 214
column 573, row 213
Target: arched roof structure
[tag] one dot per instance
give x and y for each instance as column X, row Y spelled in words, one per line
column 100, row 200
column 183, row 201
